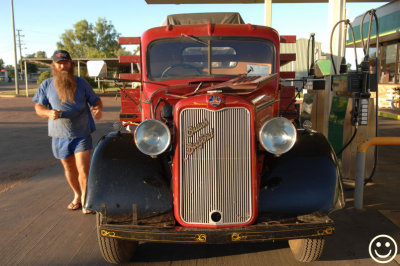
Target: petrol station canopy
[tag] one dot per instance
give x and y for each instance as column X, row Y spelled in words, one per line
column 247, row 1
column 389, row 25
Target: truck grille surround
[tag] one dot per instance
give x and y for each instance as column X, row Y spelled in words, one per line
column 215, row 166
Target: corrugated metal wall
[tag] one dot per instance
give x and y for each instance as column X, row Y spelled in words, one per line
column 300, row 48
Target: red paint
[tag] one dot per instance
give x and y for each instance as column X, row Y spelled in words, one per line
column 197, row 102
column 153, row 94
column 129, row 40
column 129, row 58
column 288, row 39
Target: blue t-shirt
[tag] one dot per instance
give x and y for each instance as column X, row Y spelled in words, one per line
column 75, row 120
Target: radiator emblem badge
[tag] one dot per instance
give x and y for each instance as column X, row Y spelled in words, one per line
column 194, row 129
column 201, row 139
column 214, row 100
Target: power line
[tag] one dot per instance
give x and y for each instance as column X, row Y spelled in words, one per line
column 20, row 50
column 15, row 51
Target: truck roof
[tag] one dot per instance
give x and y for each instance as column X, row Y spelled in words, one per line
column 203, row 18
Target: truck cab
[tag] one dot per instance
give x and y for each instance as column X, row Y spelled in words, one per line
column 211, row 149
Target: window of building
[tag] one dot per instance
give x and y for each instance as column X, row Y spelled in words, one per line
column 397, row 75
column 389, row 63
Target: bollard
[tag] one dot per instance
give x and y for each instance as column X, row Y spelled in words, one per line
column 359, row 189
column 361, row 150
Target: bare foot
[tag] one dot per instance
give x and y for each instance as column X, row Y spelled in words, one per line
column 86, row 211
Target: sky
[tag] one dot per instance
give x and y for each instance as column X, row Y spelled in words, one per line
column 43, row 22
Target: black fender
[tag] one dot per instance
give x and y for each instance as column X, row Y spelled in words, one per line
column 304, row 180
column 121, row 176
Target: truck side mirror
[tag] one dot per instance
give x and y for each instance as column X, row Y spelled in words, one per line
column 97, row 68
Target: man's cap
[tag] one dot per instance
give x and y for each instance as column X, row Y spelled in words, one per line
column 61, row 55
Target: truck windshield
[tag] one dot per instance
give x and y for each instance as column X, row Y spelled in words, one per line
column 187, row 58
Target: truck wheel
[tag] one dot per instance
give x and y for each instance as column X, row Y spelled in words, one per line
column 307, row 249
column 115, row 250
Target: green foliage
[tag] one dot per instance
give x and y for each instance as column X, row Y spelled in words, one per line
column 91, row 82
column 41, row 54
column 1, row 63
column 31, row 67
column 91, row 41
column 10, row 72
column 43, row 76
column 106, row 37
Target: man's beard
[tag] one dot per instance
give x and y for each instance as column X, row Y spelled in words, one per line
column 65, row 83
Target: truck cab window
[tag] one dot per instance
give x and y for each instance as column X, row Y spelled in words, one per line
column 183, row 58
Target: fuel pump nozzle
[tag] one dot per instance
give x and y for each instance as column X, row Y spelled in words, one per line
column 311, row 71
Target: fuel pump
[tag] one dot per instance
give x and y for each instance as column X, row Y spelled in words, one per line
column 340, row 105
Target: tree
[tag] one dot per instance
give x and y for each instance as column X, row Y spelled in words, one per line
column 93, row 41
column 31, row 67
column 10, row 72
column 41, row 54
column 1, row 63
column 107, row 37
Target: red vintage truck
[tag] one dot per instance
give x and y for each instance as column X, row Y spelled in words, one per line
column 211, row 150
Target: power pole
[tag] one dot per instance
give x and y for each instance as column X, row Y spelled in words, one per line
column 20, row 50
column 15, row 51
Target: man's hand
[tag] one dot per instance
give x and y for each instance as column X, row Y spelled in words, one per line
column 43, row 111
column 97, row 110
column 54, row 114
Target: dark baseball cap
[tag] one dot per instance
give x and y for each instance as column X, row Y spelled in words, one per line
column 61, row 55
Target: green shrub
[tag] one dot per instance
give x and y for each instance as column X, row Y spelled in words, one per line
column 91, row 82
column 44, row 75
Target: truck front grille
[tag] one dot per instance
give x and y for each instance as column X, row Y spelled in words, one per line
column 215, row 166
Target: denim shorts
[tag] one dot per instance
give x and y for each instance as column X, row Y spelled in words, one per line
column 64, row 148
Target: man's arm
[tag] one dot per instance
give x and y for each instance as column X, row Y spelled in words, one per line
column 97, row 109
column 43, row 111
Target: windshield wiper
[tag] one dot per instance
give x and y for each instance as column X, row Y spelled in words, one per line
column 195, row 39
column 199, row 41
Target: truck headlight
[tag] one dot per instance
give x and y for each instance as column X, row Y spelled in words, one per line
column 152, row 137
column 278, row 135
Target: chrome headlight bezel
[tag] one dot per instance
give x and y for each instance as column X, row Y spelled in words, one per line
column 145, row 129
column 271, row 141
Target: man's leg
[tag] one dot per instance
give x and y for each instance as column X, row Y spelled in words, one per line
column 72, row 175
column 83, row 164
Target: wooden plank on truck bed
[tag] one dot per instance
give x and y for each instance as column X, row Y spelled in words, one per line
column 130, row 76
column 286, row 58
column 129, row 58
column 128, row 40
column 287, row 74
column 288, row 39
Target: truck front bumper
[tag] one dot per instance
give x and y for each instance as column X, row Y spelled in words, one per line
column 307, row 226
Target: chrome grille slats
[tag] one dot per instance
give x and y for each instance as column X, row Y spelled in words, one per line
column 217, row 176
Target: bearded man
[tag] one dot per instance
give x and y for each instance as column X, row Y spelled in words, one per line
column 65, row 99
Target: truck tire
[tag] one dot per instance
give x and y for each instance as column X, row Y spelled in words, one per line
column 115, row 250
column 307, row 249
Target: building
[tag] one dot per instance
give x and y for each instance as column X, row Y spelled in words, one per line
column 389, row 48
column 3, row 75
